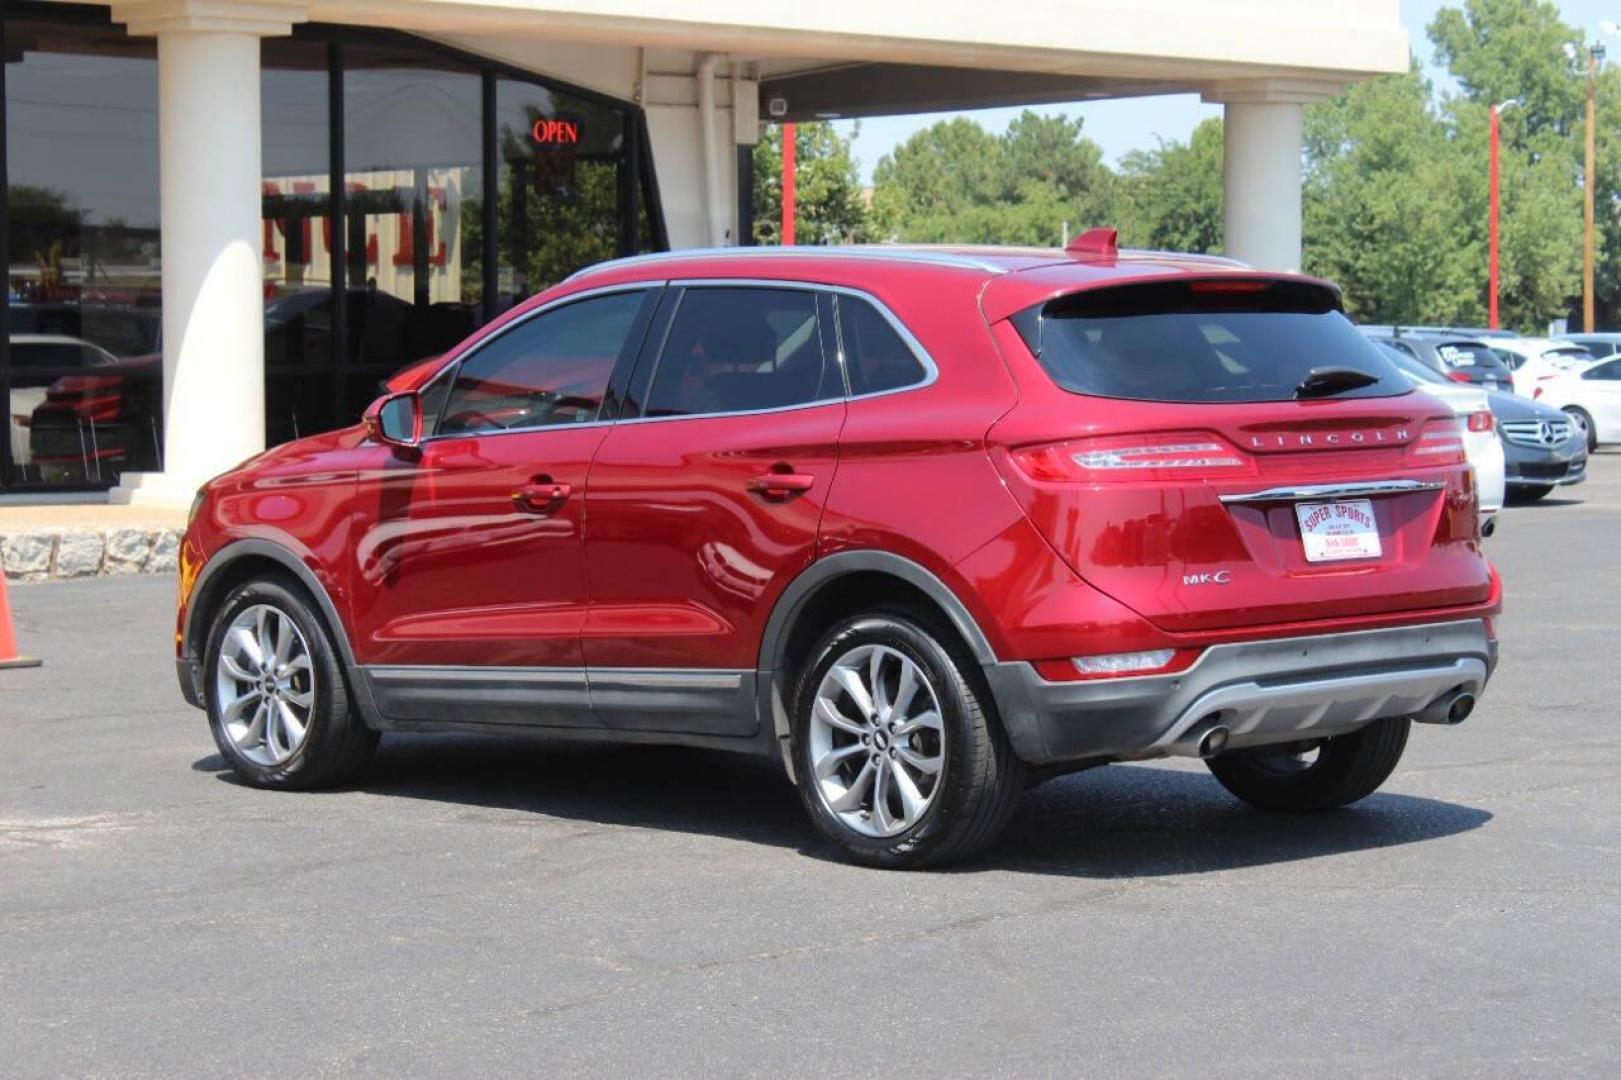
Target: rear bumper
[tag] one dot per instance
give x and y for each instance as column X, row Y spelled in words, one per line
column 1264, row 692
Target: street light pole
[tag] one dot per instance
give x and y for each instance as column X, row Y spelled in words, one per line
column 1595, row 53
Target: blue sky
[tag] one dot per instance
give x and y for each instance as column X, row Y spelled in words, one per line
column 1136, row 123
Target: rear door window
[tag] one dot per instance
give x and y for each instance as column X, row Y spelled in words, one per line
column 742, row 349
column 1215, row 341
column 876, row 357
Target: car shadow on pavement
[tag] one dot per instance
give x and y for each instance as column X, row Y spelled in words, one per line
column 1121, row 821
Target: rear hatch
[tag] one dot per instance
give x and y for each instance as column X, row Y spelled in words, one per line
column 1231, row 452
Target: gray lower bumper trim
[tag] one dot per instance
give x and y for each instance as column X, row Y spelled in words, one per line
column 1265, row 692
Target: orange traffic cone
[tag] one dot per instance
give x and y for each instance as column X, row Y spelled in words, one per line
column 8, row 637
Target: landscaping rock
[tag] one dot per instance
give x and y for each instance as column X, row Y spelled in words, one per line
column 27, row 556
column 79, row 554
column 165, row 553
column 128, row 550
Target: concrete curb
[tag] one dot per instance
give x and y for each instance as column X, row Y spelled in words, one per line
column 59, row 554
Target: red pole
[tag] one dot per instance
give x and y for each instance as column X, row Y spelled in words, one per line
column 788, row 167
column 1491, row 230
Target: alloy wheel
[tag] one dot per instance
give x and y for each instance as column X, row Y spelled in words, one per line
column 877, row 741
column 265, row 685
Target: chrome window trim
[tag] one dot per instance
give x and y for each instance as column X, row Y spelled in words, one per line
column 931, row 371
column 452, row 369
column 911, row 254
column 1299, row 492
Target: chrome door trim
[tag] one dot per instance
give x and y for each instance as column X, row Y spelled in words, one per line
column 1302, row 492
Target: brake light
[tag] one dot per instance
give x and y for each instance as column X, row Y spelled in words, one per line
column 1117, row 665
column 1457, row 376
column 1168, row 456
column 1480, row 420
column 1439, row 442
column 1242, row 285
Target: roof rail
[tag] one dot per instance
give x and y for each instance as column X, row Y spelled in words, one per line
column 925, row 255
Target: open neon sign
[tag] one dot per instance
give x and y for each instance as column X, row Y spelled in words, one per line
column 557, row 132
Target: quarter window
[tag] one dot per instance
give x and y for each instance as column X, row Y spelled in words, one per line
column 735, row 350
column 875, row 357
column 551, row 370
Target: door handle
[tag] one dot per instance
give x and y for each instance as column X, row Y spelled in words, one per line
column 780, row 485
column 541, row 498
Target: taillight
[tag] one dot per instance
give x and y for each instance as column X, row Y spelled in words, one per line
column 1439, row 442
column 1536, row 392
column 1165, row 456
column 1480, row 420
column 1457, row 376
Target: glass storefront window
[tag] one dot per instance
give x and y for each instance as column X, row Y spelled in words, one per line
column 563, row 173
column 413, row 176
column 303, row 394
column 82, row 262
column 424, row 259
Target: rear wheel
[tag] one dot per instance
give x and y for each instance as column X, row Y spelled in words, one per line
column 278, row 705
column 1338, row 771
column 899, row 756
column 1584, row 425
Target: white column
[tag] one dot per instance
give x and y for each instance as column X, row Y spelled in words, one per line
column 213, row 307
column 1262, row 146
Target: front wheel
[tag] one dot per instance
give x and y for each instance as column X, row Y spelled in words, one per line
column 1584, row 426
column 1340, row 770
column 899, row 756
column 278, row 705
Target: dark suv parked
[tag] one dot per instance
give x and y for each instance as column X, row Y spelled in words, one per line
column 1462, row 360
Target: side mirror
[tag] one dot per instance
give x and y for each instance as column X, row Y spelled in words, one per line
column 396, row 420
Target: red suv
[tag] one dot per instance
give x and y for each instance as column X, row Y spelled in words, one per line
column 923, row 525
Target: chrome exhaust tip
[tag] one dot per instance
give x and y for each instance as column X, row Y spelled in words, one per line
column 1452, row 707
column 1488, row 526
column 1213, row 742
column 1202, row 742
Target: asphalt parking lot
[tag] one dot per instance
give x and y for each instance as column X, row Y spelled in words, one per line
column 481, row 906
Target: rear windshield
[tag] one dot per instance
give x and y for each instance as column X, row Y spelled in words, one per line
column 1221, row 341
column 1467, row 354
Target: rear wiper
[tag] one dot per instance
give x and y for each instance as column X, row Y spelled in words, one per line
column 1328, row 381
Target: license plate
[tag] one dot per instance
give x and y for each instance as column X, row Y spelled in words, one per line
column 1338, row 530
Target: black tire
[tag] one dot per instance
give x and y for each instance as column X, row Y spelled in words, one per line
column 337, row 745
column 980, row 781
column 1347, row 768
column 1584, row 420
column 1532, row 493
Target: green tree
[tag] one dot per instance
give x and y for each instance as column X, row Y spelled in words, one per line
column 829, row 206
column 1502, row 49
column 955, row 182
column 1169, row 198
column 1385, row 206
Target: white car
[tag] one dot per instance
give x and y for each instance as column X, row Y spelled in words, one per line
column 1592, row 399
column 1473, row 410
column 1535, row 359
